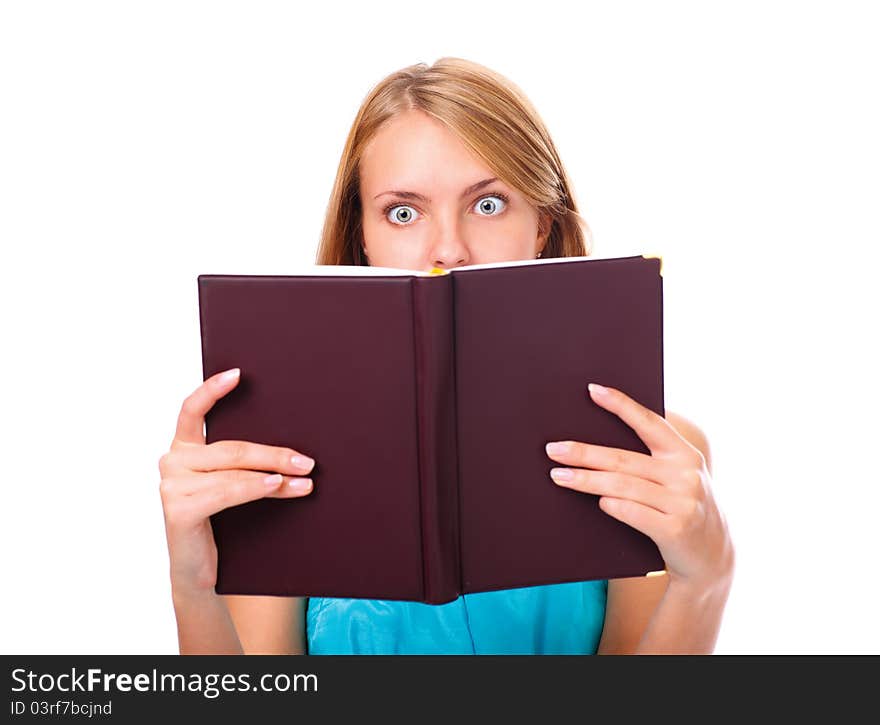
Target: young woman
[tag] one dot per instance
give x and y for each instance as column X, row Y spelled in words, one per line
column 445, row 166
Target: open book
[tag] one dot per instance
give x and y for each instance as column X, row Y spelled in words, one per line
column 426, row 401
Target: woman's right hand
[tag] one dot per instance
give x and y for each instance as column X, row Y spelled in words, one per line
column 199, row 480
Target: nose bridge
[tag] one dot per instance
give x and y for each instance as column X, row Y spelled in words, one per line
column 448, row 240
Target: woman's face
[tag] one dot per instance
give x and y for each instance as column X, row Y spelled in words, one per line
column 428, row 202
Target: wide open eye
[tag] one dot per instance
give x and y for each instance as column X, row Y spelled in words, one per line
column 491, row 205
column 401, row 214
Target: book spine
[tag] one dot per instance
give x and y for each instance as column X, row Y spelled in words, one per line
column 438, row 458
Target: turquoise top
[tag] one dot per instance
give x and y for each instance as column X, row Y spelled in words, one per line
column 551, row 619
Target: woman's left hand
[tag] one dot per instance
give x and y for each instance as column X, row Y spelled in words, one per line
column 665, row 495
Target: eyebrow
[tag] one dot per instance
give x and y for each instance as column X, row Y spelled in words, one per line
column 413, row 195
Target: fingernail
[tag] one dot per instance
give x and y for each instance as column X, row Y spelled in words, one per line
column 557, row 448
column 303, row 462
column 597, row 390
column 273, row 480
column 561, row 474
column 301, row 484
column 229, row 375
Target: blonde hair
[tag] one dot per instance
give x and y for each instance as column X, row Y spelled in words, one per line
column 492, row 117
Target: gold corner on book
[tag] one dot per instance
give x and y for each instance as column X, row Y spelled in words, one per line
column 661, row 572
column 437, row 270
column 655, row 256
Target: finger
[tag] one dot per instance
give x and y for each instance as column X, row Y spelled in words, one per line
column 649, row 521
column 275, row 484
column 228, row 492
column 291, row 487
column 587, row 455
column 616, row 485
column 655, row 431
column 244, row 454
column 191, row 420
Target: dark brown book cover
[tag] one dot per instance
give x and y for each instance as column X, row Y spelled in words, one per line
column 426, row 401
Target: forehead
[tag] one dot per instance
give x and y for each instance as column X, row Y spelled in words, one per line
column 414, row 151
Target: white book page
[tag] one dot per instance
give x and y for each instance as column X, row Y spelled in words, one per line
column 351, row 270
column 535, row 262
column 348, row 270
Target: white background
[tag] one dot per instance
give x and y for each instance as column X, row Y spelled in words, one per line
column 142, row 144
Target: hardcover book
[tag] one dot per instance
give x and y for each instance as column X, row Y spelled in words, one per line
column 426, row 401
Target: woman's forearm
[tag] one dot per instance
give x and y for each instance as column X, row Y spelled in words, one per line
column 204, row 625
column 687, row 619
